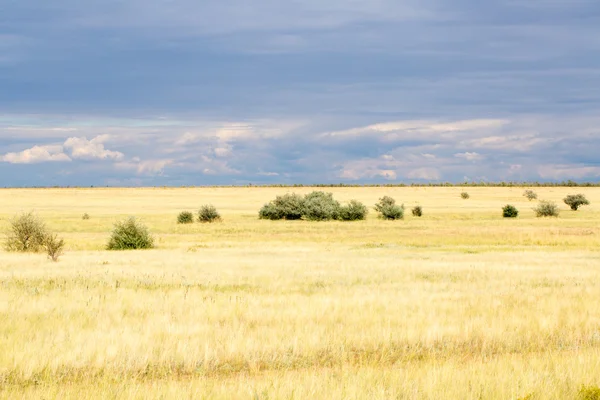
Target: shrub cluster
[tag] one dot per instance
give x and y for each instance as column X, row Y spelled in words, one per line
column 510, row 211
column 130, row 234
column 546, row 209
column 530, row 194
column 185, row 217
column 388, row 209
column 417, row 211
column 208, row 214
column 28, row 234
column 575, row 201
column 465, row 195
column 315, row 206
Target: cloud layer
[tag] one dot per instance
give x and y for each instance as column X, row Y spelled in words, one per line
column 187, row 92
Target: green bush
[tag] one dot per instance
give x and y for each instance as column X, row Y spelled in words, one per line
column 85, row 216
column 27, row 234
column 417, row 211
column 54, row 246
column 530, row 194
column 270, row 211
column 510, row 211
column 289, row 206
column 465, row 195
column 387, row 209
column 185, row 217
column 353, row 211
column 130, row 234
column 320, row 206
column 546, row 209
column 208, row 214
column 575, row 201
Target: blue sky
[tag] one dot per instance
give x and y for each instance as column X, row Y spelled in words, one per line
column 183, row 92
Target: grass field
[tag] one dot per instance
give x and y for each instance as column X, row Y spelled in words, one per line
column 458, row 304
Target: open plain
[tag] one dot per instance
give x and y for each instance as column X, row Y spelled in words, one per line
column 457, row 304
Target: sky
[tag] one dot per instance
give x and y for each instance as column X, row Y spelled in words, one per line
column 231, row 92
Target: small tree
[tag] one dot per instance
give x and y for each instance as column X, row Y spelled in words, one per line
column 54, row 246
column 27, row 234
column 465, row 195
column 530, row 194
column 130, row 235
column 510, row 211
column 185, row 217
column 208, row 214
column 320, row 206
column 387, row 209
column 353, row 211
column 575, row 201
column 417, row 211
column 546, row 209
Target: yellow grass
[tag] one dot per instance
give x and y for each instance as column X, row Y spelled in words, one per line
column 458, row 304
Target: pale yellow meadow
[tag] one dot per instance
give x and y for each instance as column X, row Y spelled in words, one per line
column 458, row 304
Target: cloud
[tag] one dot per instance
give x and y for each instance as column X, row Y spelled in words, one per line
column 145, row 167
column 83, row 149
column 37, row 154
column 469, row 156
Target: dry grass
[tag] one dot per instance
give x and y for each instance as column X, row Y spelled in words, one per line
column 456, row 304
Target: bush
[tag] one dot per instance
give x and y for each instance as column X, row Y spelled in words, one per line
column 270, row 211
column 185, row 217
column 320, row 206
column 353, row 211
column 85, row 216
column 54, row 247
column 546, row 209
column 208, row 213
column 530, row 194
column 27, row 234
column 575, row 201
column 510, row 211
column 130, row 235
column 465, row 195
column 289, row 206
column 417, row 211
column 388, row 209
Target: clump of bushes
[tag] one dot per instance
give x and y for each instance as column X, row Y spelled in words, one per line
column 510, row 211
column 530, row 194
column 85, row 216
column 388, row 209
column 320, row 206
column 185, row 217
column 353, row 211
column 208, row 214
column 417, row 211
column 315, row 206
column 130, row 234
column 575, row 201
column 465, row 195
column 28, row 234
column 546, row 209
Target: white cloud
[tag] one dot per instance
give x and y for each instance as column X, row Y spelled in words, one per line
column 469, row 156
column 145, row 167
column 429, row 174
column 567, row 171
column 83, row 149
column 37, row 154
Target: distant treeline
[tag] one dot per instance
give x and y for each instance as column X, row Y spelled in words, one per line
column 568, row 183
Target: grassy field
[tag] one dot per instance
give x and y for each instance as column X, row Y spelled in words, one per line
column 458, row 304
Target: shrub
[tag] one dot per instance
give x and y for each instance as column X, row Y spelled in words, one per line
column 185, row 217
column 270, row 211
column 27, row 234
column 54, row 247
column 85, row 216
column 465, row 195
column 530, row 194
column 289, row 206
column 208, row 213
column 320, row 206
column 130, row 234
column 546, row 209
column 417, row 211
column 575, row 201
column 388, row 209
column 510, row 211
column 353, row 211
